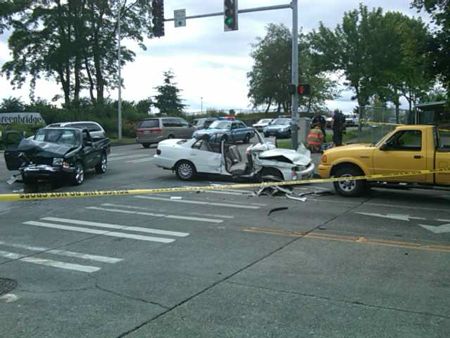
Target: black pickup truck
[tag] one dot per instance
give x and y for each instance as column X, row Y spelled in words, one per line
column 63, row 154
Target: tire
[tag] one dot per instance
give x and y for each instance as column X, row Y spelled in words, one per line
column 247, row 138
column 185, row 170
column 224, row 138
column 170, row 136
column 350, row 188
column 78, row 175
column 102, row 166
column 146, row 145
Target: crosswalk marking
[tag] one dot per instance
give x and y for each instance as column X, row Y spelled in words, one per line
column 117, row 227
column 100, row 232
column 141, row 160
column 49, row 262
column 103, row 259
column 188, row 218
column 218, row 204
column 146, row 208
column 121, row 157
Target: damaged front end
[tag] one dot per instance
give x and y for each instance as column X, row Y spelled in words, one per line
column 291, row 164
column 40, row 161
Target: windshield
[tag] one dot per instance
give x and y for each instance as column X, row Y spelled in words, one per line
column 264, row 121
column 220, row 125
column 281, row 121
column 58, row 136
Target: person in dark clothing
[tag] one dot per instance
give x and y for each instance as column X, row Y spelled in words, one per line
column 338, row 127
column 319, row 120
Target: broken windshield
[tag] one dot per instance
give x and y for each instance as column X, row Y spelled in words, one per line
column 58, row 136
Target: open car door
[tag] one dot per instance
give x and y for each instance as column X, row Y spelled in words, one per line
column 11, row 140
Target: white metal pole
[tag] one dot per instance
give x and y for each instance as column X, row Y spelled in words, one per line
column 294, row 65
column 119, row 66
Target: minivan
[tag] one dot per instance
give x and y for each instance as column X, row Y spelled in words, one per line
column 153, row 130
column 94, row 128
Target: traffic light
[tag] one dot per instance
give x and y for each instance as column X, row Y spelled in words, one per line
column 303, row 89
column 158, row 18
column 230, row 11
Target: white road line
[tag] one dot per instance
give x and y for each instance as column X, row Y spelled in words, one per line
column 103, row 259
column 100, row 232
column 188, row 218
column 117, row 227
column 227, row 205
column 146, row 208
column 124, row 157
column 141, row 160
column 49, row 262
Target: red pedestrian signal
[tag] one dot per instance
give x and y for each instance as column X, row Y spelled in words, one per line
column 303, row 89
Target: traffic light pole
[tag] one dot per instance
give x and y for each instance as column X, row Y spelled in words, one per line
column 294, row 62
column 294, row 79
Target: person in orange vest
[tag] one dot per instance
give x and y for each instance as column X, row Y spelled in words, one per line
column 315, row 139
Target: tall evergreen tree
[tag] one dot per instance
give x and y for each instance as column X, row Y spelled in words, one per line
column 168, row 99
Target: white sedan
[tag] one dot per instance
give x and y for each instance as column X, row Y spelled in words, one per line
column 187, row 158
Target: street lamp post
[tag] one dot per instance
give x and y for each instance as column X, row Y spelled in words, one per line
column 119, row 67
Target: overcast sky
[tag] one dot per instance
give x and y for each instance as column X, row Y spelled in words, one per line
column 210, row 65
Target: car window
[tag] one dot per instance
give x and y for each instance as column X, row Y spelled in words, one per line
column 241, row 125
column 220, row 125
column 183, row 123
column 88, row 126
column 444, row 139
column 169, row 122
column 202, row 145
column 406, row 140
column 149, row 124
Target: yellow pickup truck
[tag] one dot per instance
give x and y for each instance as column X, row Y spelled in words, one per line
column 407, row 148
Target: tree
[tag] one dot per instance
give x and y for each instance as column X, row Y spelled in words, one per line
column 12, row 105
column 439, row 44
column 167, row 100
column 270, row 76
column 73, row 42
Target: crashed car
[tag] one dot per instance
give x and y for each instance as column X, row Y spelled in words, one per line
column 256, row 160
column 58, row 154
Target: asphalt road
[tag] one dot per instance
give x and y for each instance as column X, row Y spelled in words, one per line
column 223, row 264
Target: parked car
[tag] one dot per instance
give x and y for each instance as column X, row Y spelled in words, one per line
column 280, row 127
column 351, row 120
column 58, row 154
column 214, row 155
column 259, row 126
column 231, row 131
column 94, row 128
column 204, row 122
column 407, row 148
column 154, row 130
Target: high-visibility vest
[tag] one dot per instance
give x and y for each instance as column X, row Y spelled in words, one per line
column 315, row 137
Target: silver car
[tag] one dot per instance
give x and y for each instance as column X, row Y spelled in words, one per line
column 153, row 130
column 94, row 128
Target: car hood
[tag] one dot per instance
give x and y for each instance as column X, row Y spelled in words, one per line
column 44, row 149
column 349, row 147
column 211, row 131
column 301, row 156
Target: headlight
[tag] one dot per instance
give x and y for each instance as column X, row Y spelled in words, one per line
column 58, row 161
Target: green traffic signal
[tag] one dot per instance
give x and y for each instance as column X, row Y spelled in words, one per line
column 229, row 21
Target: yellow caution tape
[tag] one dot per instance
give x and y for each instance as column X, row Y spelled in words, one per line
column 127, row 192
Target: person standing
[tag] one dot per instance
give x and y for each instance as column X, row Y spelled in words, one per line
column 318, row 119
column 338, row 127
column 315, row 139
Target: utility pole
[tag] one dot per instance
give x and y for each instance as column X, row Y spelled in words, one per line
column 294, row 70
column 119, row 66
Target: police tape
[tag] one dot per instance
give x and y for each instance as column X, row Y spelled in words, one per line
column 129, row 192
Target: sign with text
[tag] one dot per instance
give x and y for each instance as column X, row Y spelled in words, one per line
column 21, row 118
column 179, row 17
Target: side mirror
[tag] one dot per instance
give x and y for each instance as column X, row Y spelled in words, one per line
column 384, row 147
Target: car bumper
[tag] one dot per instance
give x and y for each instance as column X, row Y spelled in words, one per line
column 306, row 173
column 163, row 162
column 324, row 170
column 40, row 172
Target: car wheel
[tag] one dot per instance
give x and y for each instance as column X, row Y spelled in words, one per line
column 247, row 138
column 185, row 170
column 78, row 175
column 102, row 166
column 170, row 136
column 146, row 145
column 349, row 188
column 224, row 138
